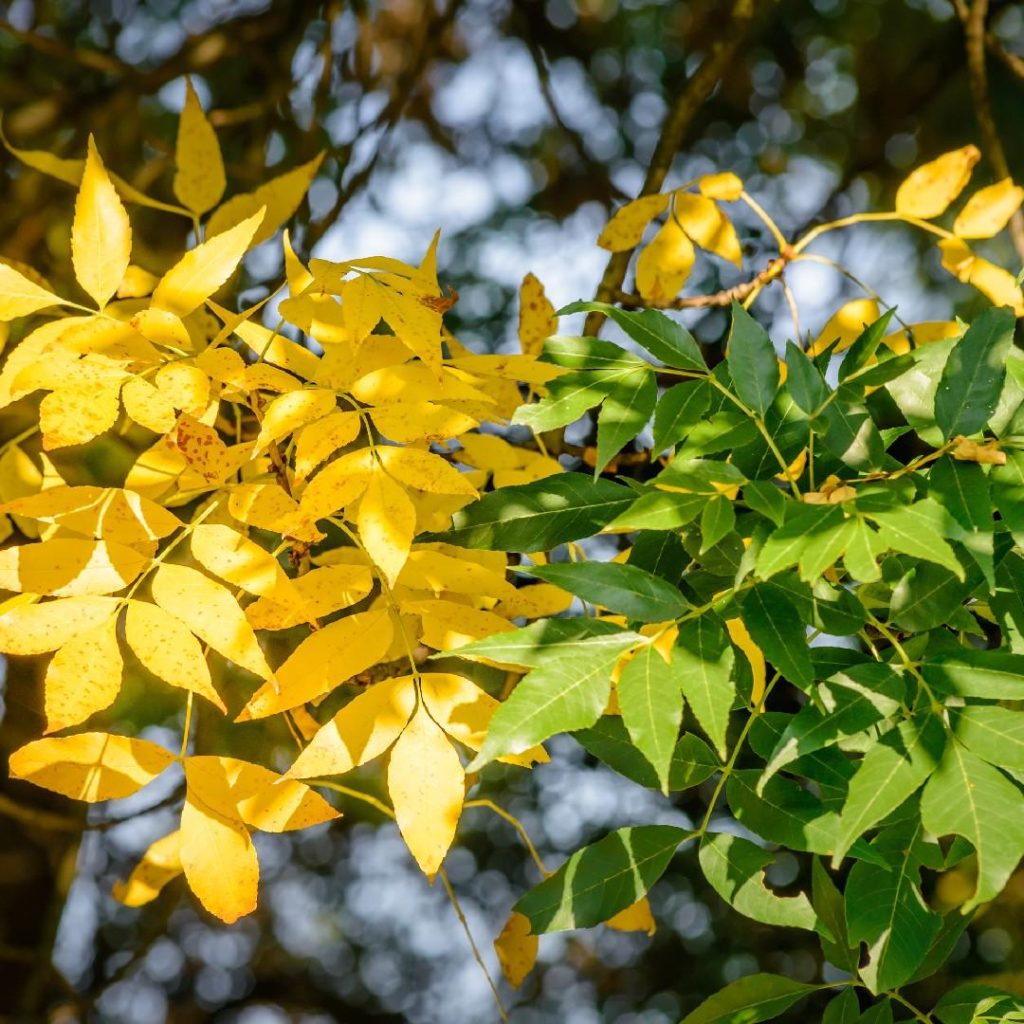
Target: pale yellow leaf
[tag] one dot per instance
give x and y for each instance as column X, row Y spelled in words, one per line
column 295, row 272
column 337, row 484
column 160, row 864
column 846, row 325
column 447, row 625
column 665, row 264
column 995, row 283
column 167, row 649
column 19, row 296
column 83, row 677
column 320, row 440
column 928, row 190
column 70, row 567
column 361, row 305
column 147, row 405
column 516, row 948
column 199, row 180
column 38, row 628
column 386, row 522
column 424, row 471
column 704, row 222
column 362, row 730
column 202, row 270
column 537, row 601
column 439, row 571
column 289, row 412
column 101, row 237
column 989, row 210
column 280, row 197
column 265, row 506
column 209, row 611
column 426, row 783
column 724, row 185
column 325, row 659
column 162, row 328
column 320, row 592
column 90, row 766
column 78, row 413
column 136, row 283
column 629, row 222
column 410, row 421
column 537, row 320
column 637, row 917
column 241, row 562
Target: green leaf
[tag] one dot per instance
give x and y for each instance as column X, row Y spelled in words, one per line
column 704, row 658
column 625, row 589
column 659, row 510
column 735, row 869
column 851, row 435
column 717, row 520
column 562, row 694
column 702, row 476
column 678, row 409
column 651, row 701
column 973, row 376
column 803, row 379
column 722, row 431
column 755, row 998
column 890, row 772
column 660, row 552
column 993, row 675
column 994, row 733
column 595, row 883
column 969, row 798
column 539, row 515
column 961, row 488
column 805, row 524
column 831, row 609
column 961, row 1004
column 880, row 1013
column 1008, row 493
column 865, row 346
column 1008, row 600
column 540, row 641
column 662, row 337
column 827, row 901
column 916, row 530
column 843, row 1009
column 585, row 353
column 568, row 398
column 692, row 761
column 764, row 497
column 624, row 413
column 753, row 363
column 778, row 630
column 863, row 546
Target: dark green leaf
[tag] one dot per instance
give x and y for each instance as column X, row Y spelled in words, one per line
column 994, row 675
column 864, row 347
column 568, row 398
column 960, row 1005
column 961, row 488
column 624, row 413
column 828, row 904
column 660, row 552
column 843, row 1009
column 678, row 409
column 753, row 363
column 1008, row 493
column 778, row 630
column 764, row 497
column 916, row 530
column 716, row 521
column 704, row 657
column 805, row 382
column 755, row 998
column 851, row 435
column 926, row 597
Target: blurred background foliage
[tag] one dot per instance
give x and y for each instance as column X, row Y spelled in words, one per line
column 515, row 127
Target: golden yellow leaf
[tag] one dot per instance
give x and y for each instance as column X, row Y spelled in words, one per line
column 167, row 649
column 203, row 449
column 629, row 222
column 387, row 523
column 995, row 283
column 199, row 179
column 537, row 601
column 665, row 264
column 217, row 854
column 928, row 190
column 147, row 405
column 209, row 611
column 362, row 730
column 202, row 270
column 43, row 627
column 846, row 324
column 406, row 422
column 394, row 383
column 319, row 592
column 989, row 210
column 240, row 561
column 361, row 305
column 269, row 346
column 423, row 471
column 923, row 334
column 90, row 766
column 447, row 625
column 83, row 677
column 427, row 788
column 265, row 506
column 336, row 485
column 79, row 413
column 740, row 636
column 70, row 567
column 288, row 412
column 537, row 320
column 160, row 864
column 724, row 185
column 20, row 296
column 319, row 440
column 454, row 570
column 417, row 323
column 295, row 272
column 324, row 660
column 516, row 948
column 637, row 917
column 162, row 328
column 136, row 283
column 704, row 222
column 280, row 197
column 101, row 237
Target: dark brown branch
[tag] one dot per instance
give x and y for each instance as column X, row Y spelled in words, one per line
column 678, row 121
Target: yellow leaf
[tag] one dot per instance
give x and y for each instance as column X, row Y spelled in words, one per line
column 324, row 660
column 406, row 422
column 417, row 323
column 199, row 179
column 202, row 270
column 217, row 854
column 742, row 639
column 136, row 283
column 448, row 625
column 427, row 788
column 101, row 237
column 637, row 917
column 265, row 506
column 287, row 413
column 724, row 185
column 537, row 320
column 704, row 222
column 162, row 328
column 280, row 197
column 664, row 265
column 83, row 677
column 516, row 949
column 923, row 334
column 319, row 593
column 362, row 730
column 424, row 471
column 209, row 611
column 203, row 449
column 90, row 766
column 167, row 649
column 386, row 522
column 846, row 324
column 19, row 296
column 436, row 570
column 361, row 304
column 79, row 413
column 629, row 222
column 319, row 440
column 537, row 601
column 989, row 210
column 160, row 864
column 929, row 189
column 996, row 284
column 395, row 383
column 147, row 405
column 241, row 562
column 70, row 567
column 336, row 485
column 295, row 272
column 38, row 628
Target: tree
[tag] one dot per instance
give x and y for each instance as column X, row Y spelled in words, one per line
column 325, row 493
